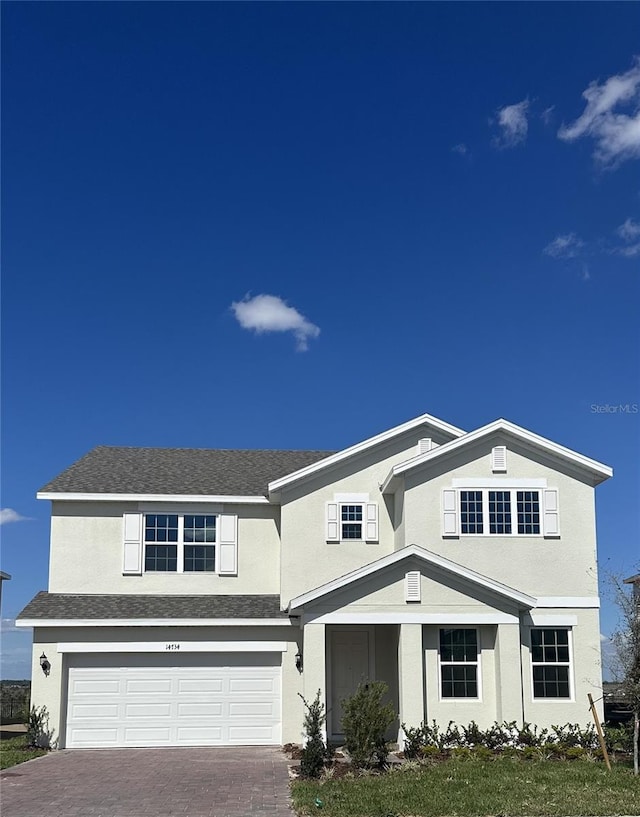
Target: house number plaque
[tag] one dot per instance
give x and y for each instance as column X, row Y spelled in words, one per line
column 172, row 647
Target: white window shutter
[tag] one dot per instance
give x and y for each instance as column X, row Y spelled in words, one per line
column 132, row 544
column 449, row 512
column 425, row 445
column 551, row 517
column 412, row 585
column 499, row 458
column 228, row 545
column 333, row 525
column 371, row 533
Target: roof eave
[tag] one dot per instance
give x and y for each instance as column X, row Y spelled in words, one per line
column 75, row 496
column 364, row 445
column 597, row 471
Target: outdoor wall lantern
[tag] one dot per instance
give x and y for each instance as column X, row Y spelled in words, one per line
column 299, row 661
column 45, row 664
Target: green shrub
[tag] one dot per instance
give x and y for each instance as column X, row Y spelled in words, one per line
column 414, row 740
column 619, row 738
column 37, row 727
column 314, row 752
column 364, row 722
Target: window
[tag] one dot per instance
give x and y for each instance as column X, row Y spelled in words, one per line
column 496, row 507
column 471, row 511
column 459, row 663
column 352, row 518
column 550, row 663
column 180, row 543
column 528, row 512
column 351, row 521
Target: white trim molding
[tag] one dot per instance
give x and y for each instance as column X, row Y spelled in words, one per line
column 155, row 622
column 577, row 602
column 365, row 445
column 540, row 620
column 429, row 558
column 173, row 646
column 597, row 471
column 194, row 498
column 453, row 619
column 497, row 482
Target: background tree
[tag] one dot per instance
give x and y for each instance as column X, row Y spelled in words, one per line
column 626, row 641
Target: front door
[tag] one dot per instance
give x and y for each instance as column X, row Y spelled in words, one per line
column 349, row 667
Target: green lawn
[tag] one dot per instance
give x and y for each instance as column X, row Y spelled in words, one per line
column 471, row 788
column 15, row 750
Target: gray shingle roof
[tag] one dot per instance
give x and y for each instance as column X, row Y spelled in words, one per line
column 73, row 606
column 201, row 471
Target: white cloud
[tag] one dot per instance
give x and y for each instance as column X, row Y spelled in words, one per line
column 616, row 134
column 460, row 149
column 547, row 114
column 268, row 313
column 513, row 121
column 629, row 230
column 565, row 246
column 9, row 515
column 630, row 251
column 8, row 625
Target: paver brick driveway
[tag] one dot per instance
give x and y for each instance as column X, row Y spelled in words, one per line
column 206, row 782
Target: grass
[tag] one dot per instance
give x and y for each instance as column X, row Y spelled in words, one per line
column 473, row 788
column 15, row 750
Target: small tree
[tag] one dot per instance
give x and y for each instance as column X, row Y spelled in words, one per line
column 314, row 752
column 626, row 640
column 364, row 722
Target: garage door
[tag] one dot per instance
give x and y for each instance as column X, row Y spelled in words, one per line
column 202, row 699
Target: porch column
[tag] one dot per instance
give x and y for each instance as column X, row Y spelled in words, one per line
column 410, row 676
column 314, row 672
column 508, row 674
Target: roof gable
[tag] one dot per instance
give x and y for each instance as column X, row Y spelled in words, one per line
column 424, row 420
column 589, row 469
column 413, row 551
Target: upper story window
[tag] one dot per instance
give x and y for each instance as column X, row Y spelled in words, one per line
column 500, row 512
column 550, row 663
column 350, row 519
column 182, row 543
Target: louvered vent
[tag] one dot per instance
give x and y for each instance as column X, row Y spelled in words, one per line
column 412, row 585
column 499, row 458
column 425, row 445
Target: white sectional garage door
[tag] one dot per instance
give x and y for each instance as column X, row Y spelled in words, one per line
column 204, row 699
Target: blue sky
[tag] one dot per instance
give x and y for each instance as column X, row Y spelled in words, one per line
column 297, row 225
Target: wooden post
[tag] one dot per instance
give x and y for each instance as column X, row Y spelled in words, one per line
column 603, row 745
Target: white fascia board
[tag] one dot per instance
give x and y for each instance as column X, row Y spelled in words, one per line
column 456, row 619
column 574, row 602
column 173, row 646
column 541, row 620
column 597, row 469
column 199, row 498
column 358, row 448
column 427, row 556
column 154, row 622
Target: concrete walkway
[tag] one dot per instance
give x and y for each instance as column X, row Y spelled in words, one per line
column 206, row 782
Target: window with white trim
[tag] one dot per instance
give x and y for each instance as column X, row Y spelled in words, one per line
column 352, row 520
column 351, row 517
column 490, row 512
column 182, row 543
column 459, row 663
column 550, row 662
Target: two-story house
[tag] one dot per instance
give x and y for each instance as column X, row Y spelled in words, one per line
column 193, row 594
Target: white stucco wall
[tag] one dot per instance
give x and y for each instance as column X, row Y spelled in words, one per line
column 303, row 516
column 86, row 552
column 565, row 566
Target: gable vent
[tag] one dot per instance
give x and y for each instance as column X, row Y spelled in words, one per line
column 412, row 585
column 425, row 445
column 499, row 458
